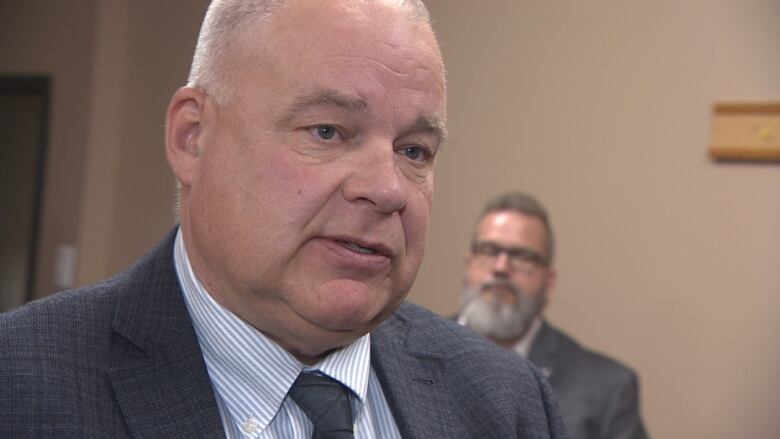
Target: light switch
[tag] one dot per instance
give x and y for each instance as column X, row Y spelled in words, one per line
column 65, row 258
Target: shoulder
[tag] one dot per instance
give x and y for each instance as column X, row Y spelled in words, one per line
column 590, row 365
column 63, row 316
column 52, row 344
column 490, row 387
column 594, row 390
column 72, row 328
column 55, row 347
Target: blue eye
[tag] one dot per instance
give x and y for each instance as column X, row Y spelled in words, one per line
column 414, row 152
column 325, row 132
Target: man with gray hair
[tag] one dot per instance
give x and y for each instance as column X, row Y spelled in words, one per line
column 507, row 285
column 303, row 146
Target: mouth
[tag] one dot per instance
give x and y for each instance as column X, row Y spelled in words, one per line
column 356, row 255
column 357, row 248
column 362, row 247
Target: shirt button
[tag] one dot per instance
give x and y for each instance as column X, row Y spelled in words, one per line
column 249, row 426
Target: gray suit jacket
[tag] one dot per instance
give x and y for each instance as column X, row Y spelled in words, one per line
column 598, row 397
column 120, row 359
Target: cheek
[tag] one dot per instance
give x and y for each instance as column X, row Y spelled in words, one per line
column 294, row 190
column 416, row 218
column 530, row 286
column 474, row 274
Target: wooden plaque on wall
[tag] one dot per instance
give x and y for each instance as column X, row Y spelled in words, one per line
column 746, row 131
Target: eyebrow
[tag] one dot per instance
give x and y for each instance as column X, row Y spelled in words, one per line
column 325, row 97
column 322, row 98
column 430, row 124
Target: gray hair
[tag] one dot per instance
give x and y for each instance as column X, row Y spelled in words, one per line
column 527, row 205
column 224, row 21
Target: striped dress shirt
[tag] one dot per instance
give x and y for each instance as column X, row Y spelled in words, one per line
column 251, row 374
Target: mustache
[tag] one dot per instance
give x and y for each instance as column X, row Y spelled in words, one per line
column 499, row 283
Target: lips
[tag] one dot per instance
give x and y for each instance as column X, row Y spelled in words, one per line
column 353, row 257
column 356, row 248
column 363, row 247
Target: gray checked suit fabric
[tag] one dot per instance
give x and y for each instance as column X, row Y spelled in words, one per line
column 120, row 359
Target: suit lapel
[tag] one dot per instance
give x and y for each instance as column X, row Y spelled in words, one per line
column 412, row 380
column 166, row 396
column 544, row 351
column 156, row 367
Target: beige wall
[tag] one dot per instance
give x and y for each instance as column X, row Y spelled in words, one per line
column 142, row 56
column 115, row 64
column 55, row 37
column 666, row 260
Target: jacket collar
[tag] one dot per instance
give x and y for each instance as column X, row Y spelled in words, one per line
column 155, row 364
column 544, row 350
column 411, row 372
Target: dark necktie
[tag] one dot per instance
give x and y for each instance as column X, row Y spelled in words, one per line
column 326, row 402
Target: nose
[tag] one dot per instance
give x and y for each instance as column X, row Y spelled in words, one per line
column 376, row 179
column 501, row 265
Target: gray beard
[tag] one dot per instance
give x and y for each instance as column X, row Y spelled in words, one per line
column 500, row 321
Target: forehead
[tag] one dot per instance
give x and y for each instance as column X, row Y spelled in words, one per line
column 349, row 25
column 512, row 228
column 374, row 49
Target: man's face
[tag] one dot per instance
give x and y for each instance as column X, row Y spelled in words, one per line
column 310, row 201
column 507, row 277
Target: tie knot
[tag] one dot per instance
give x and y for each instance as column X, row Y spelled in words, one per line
column 326, row 402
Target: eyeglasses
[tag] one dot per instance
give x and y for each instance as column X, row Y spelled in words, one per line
column 520, row 258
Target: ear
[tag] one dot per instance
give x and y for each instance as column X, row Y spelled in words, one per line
column 183, row 133
column 550, row 285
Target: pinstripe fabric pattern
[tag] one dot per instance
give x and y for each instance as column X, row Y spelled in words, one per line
column 251, row 374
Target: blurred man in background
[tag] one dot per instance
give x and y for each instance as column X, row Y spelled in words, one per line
column 507, row 285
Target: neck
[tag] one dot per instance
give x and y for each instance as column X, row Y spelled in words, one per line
column 508, row 343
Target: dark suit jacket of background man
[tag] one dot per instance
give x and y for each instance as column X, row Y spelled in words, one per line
column 598, row 397
column 120, row 359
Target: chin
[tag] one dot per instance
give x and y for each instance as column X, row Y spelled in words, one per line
column 347, row 318
column 322, row 339
column 354, row 311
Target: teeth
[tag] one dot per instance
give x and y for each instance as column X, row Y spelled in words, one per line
column 356, row 248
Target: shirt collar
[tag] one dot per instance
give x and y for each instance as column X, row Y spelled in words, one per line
column 249, row 371
column 523, row 346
